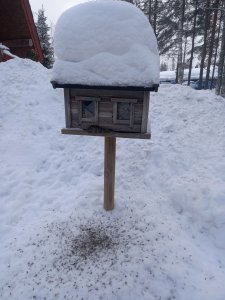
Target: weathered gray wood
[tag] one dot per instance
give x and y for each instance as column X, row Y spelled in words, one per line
column 105, row 115
column 137, row 118
column 67, row 107
column 139, row 107
column 106, row 110
column 131, row 115
column 116, row 121
column 106, row 107
column 74, row 116
column 138, row 111
column 144, row 123
column 74, row 119
column 124, row 100
column 93, row 120
column 75, row 110
column 105, row 121
column 85, row 98
column 74, row 124
column 120, row 127
column 74, row 104
column 107, row 93
column 78, row 131
column 109, row 172
column 115, row 113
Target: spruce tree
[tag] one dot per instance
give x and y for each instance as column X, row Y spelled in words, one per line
column 45, row 40
column 220, row 87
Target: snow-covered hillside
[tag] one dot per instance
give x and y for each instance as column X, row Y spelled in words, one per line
column 164, row 239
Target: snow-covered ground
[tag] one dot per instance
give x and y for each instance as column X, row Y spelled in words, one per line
column 164, row 239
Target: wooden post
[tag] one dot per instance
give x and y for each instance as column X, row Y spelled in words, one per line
column 109, row 174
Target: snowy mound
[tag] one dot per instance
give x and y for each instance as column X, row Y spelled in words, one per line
column 105, row 43
column 165, row 236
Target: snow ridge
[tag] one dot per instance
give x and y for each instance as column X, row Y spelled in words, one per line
column 165, row 238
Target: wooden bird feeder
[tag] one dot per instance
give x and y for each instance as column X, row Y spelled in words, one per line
column 109, row 111
column 106, row 110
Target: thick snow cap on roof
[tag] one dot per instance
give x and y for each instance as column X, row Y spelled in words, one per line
column 105, row 43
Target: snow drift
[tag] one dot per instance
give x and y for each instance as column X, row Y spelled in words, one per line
column 165, row 238
column 105, row 43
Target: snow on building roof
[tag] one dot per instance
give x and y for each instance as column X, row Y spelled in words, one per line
column 18, row 30
column 109, row 43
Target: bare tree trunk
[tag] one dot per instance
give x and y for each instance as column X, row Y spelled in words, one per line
column 212, row 42
column 220, row 87
column 216, row 52
column 155, row 15
column 185, row 50
column 180, row 69
column 222, row 91
column 193, row 41
column 150, row 11
column 173, row 63
column 204, row 47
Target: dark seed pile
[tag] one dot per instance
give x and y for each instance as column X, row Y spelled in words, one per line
column 85, row 256
column 90, row 241
column 85, row 244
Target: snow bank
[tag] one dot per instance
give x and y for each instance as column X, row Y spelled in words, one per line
column 165, row 236
column 171, row 75
column 105, row 43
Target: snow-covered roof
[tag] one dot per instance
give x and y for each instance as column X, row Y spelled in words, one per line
column 105, row 43
column 3, row 47
column 17, row 24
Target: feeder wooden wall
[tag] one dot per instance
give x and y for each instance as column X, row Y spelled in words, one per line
column 107, row 110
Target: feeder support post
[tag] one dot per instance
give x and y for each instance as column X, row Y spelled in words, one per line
column 109, row 173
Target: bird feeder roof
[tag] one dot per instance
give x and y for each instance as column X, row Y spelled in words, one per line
column 105, row 44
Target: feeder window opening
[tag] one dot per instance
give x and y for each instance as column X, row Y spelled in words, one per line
column 123, row 111
column 88, row 109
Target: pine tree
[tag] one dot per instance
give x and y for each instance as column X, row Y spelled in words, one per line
column 212, row 41
column 168, row 27
column 45, row 40
column 180, row 68
column 189, row 30
column 163, row 66
column 193, row 40
column 152, row 9
column 220, row 87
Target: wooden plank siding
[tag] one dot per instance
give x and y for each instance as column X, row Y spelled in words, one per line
column 127, row 135
column 106, row 100
column 67, row 107
column 107, row 93
column 106, row 107
column 144, row 124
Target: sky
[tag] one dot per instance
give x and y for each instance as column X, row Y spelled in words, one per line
column 53, row 8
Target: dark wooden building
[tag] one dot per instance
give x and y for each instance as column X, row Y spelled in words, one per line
column 17, row 29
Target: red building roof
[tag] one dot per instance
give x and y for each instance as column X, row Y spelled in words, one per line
column 18, row 30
